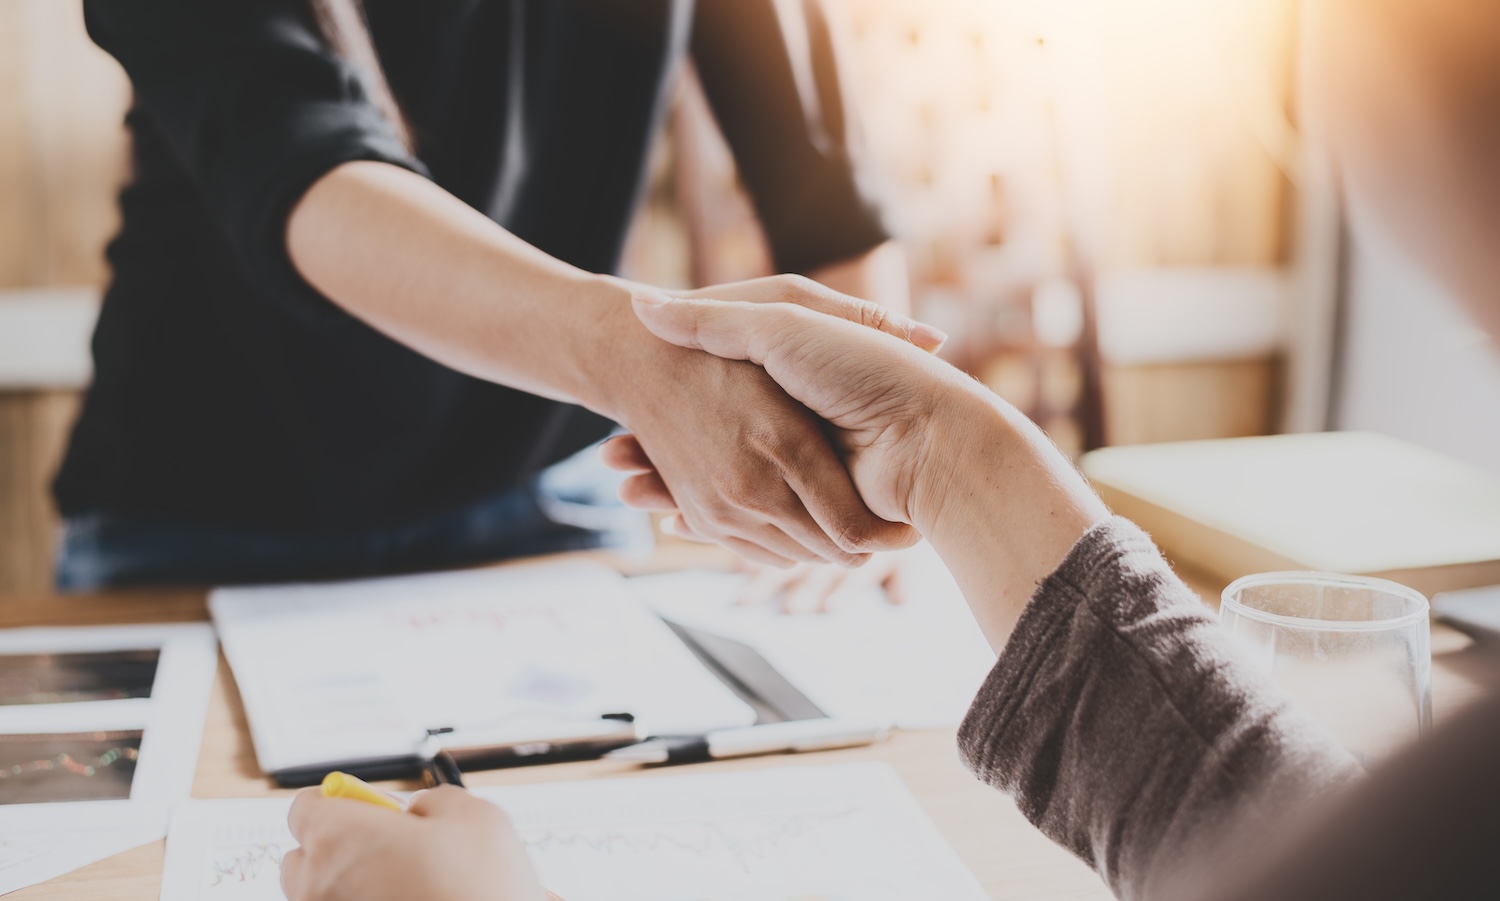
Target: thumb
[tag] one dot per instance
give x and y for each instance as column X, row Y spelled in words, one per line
column 734, row 330
column 873, row 315
column 819, row 298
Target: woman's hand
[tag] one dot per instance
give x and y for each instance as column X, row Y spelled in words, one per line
column 740, row 462
column 924, row 444
column 448, row 846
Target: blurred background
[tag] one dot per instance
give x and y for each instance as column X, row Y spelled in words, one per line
column 1119, row 209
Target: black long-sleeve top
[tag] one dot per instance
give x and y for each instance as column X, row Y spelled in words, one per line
column 228, row 391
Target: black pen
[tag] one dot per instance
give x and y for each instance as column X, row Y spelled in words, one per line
column 441, row 769
column 793, row 736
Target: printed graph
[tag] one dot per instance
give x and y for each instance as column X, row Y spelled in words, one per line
column 242, row 862
column 245, row 864
column 64, row 678
column 86, row 766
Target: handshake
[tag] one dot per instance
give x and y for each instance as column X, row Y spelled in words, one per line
column 852, row 364
column 858, row 440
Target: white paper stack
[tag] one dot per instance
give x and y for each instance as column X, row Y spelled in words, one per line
column 344, row 672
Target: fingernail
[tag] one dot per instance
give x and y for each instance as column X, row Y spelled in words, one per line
column 927, row 337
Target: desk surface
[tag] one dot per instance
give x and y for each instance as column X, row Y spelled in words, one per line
column 1009, row 857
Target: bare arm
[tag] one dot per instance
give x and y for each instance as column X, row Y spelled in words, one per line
column 430, row 271
column 398, row 252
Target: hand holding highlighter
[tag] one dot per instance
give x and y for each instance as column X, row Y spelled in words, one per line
column 343, row 785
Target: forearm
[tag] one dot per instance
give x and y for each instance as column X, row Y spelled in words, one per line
column 411, row 260
column 1129, row 731
column 1117, row 716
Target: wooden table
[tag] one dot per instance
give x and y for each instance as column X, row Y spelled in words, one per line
column 1010, row 858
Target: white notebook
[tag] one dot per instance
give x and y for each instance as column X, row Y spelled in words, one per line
column 337, row 673
column 1348, row 502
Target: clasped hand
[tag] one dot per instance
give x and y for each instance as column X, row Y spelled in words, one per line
column 863, row 391
column 733, row 450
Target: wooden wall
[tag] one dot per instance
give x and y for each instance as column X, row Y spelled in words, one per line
column 1199, row 108
column 33, row 431
column 1186, row 401
column 62, row 145
column 62, row 158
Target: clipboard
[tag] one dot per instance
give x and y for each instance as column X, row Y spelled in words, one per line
column 506, row 666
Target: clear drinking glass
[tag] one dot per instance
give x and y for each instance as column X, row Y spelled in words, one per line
column 1355, row 651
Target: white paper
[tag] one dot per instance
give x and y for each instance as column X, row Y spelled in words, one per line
column 340, row 672
column 53, row 839
column 41, row 840
column 814, row 833
column 916, row 665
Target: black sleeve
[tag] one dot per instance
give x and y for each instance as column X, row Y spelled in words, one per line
column 255, row 108
column 772, row 77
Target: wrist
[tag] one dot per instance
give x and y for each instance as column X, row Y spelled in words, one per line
column 611, row 346
column 993, row 472
column 964, row 430
column 1003, row 508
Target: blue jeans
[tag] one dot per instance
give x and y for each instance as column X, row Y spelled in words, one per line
column 571, row 506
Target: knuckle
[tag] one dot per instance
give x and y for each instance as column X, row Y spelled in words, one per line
column 874, row 315
column 795, row 288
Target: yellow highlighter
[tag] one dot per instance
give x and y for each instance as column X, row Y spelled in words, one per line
column 343, row 785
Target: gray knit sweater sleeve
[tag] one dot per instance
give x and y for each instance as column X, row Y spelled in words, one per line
column 1126, row 728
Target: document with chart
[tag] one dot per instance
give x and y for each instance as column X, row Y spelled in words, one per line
column 824, row 833
column 99, row 734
